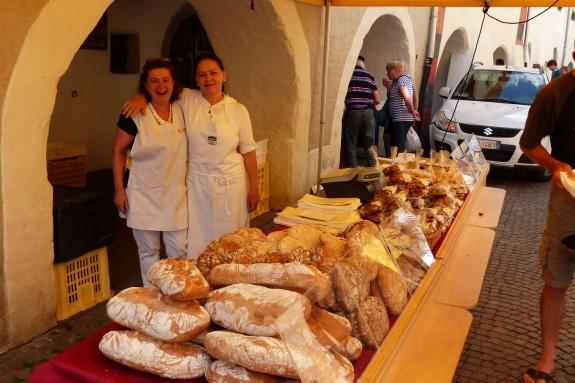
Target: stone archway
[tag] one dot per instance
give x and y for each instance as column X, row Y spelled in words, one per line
column 500, row 55
column 265, row 45
column 390, row 21
column 27, row 195
column 452, row 65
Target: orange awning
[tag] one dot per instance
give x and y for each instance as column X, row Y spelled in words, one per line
column 441, row 3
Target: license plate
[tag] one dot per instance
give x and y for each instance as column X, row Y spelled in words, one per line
column 488, row 144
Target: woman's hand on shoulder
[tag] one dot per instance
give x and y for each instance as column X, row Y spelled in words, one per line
column 136, row 104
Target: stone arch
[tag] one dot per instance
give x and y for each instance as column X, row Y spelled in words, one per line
column 394, row 21
column 266, row 74
column 271, row 37
column 501, row 53
column 27, row 212
column 453, row 63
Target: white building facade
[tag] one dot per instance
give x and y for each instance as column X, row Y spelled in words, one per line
column 53, row 91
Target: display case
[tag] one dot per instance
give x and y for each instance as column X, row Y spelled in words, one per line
column 426, row 341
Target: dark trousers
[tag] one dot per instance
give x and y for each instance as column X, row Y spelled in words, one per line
column 358, row 126
column 399, row 131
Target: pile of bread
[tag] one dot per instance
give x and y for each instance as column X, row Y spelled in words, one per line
column 296, row 304
column 434, row 189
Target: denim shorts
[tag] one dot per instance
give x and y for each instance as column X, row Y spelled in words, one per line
column 556, row 259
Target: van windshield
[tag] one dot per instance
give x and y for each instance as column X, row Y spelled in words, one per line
column 502, row 86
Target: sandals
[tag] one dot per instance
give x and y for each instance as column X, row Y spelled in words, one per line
column 538, row 375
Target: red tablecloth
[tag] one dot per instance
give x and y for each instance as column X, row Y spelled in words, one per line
column 84, row 363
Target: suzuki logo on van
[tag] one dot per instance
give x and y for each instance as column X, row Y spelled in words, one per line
column 488, row 131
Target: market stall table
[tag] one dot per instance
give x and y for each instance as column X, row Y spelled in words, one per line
column 425, row 341
column 84, row 363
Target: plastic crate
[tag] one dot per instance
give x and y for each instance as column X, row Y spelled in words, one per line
column 264, row 189
column 68, row 171
column 82, row 283
column 263, row 207
column 262, row 151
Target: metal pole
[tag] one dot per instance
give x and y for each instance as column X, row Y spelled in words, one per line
column 568, row 21
column 326, row 30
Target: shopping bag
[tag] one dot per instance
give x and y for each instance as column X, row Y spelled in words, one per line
column 412, row 143
column 382, row 114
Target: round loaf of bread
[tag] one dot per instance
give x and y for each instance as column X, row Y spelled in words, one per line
column 179, row 279
column 373, row 322
column 251, row 309
column 224, row 372
column 290, row 276
column 146, row 310
column 168, row 360
column 351, row 284
column 393, row 289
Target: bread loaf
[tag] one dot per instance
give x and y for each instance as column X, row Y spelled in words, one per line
column 179, row 279
column 330, row 329
column 168, row 360
column 290, row 276
column 393, row 290
column 351, row 285
column 309, row 235
column 146, row 310
column 251, row 309
column 224, row 372
column 350, row 347
column 257, row 353
column 271, row 356
column 373, row 322
column 332, row 251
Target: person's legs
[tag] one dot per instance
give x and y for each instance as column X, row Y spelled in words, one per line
column 351, row 125
column 367, row 132
column 399, row 131
column 552, row 307
column 175, row 242
column 558, row 266
column 148, row 242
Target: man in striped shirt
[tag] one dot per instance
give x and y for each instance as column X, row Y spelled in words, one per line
column 359, row 118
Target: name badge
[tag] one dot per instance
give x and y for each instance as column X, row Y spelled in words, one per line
column 212, row 140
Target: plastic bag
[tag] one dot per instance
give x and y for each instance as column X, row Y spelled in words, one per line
column 412, row 143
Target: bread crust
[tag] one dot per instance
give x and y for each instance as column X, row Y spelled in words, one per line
column 292, row 276
column 393, row 289
column 224, row 372
column 168, row 360
column 251, row 309
column 146, row 310
column 179, row 279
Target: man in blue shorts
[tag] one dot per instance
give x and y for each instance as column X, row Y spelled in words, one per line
column 552, row 115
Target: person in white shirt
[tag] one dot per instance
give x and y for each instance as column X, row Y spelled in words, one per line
column 222, row 167
column 155, row 201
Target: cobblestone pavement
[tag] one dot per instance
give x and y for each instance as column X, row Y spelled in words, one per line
column 503, row 340
column 504, row 337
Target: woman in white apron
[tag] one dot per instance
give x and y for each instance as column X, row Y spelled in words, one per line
column 222, row 167
column 155, row 200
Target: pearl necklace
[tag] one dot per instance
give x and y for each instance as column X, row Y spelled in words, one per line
column 159, row 119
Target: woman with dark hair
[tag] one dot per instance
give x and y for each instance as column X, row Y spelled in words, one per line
column 155, row 201
column 222, row 168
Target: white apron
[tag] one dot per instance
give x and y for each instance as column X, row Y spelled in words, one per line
column 217, row 178
column 157, row 184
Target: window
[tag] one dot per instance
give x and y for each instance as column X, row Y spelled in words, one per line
column 124, row 53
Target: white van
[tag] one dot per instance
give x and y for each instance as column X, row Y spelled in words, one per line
column 492, row 103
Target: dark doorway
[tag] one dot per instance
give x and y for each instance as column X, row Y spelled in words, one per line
column 189, row 41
